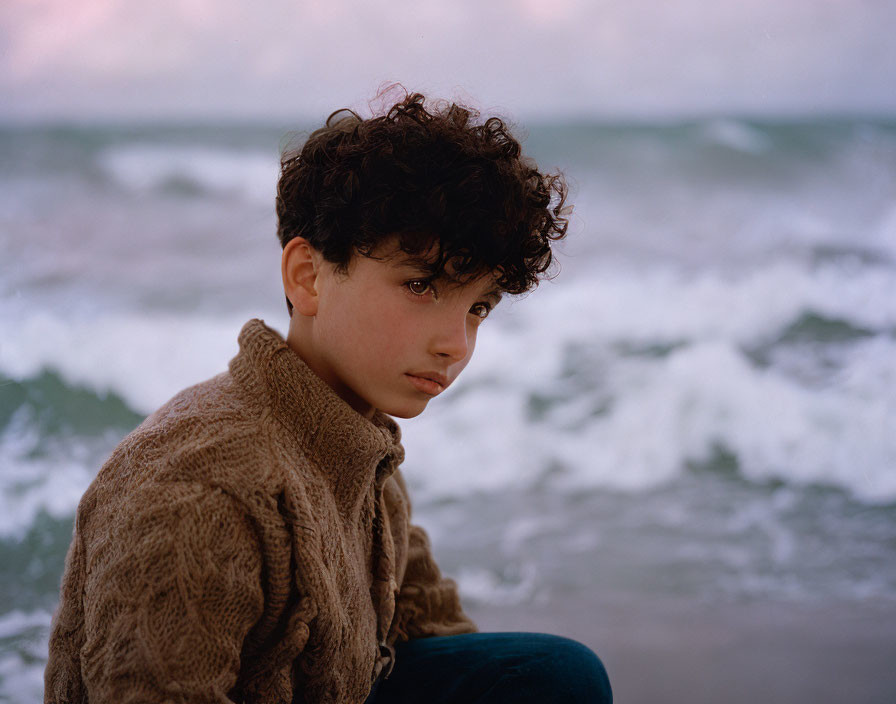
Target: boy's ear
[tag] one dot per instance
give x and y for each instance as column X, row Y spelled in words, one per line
column 299, row 265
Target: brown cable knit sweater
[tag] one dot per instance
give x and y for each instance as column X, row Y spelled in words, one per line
column 248, row 542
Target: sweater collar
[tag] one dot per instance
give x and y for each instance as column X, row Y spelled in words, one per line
column 350, row 448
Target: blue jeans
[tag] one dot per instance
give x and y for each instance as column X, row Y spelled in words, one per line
column 493, row 668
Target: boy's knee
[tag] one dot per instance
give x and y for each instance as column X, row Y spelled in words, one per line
column 565, row 671
column 593, row 683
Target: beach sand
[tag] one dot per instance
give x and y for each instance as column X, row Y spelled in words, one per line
column 677, row 651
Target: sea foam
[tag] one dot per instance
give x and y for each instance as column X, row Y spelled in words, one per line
column 250, row 174
column 619, row 379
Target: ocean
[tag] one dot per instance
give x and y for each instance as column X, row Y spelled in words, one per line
column 701, row 403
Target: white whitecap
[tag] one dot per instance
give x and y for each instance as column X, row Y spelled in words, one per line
column 634, row 421
column 736, row 135
column 623, row 419
column 145, row 359
column 140, row 167
column 22, row 668
column 487, row 587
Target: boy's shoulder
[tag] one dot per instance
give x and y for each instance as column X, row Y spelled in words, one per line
column 208, row 434
column 212, row 411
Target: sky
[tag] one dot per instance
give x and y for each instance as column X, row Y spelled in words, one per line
column 554, row 59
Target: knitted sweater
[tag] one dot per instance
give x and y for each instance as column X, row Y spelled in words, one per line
column 248, row 542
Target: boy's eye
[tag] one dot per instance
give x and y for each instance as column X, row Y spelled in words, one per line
column 481, row 310
column 419, row 286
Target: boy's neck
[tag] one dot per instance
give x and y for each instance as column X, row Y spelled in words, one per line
column 299, row 340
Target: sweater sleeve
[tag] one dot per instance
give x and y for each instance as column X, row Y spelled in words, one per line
column 173, row 587
column 428, row 604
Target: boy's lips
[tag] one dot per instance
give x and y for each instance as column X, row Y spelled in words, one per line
column 428, row 382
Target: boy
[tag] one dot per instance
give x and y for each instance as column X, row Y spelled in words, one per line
column 250, row 540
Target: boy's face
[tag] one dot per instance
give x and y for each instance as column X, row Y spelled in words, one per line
column 386, row 337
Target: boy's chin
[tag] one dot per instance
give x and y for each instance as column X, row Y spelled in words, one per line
column 405, row 411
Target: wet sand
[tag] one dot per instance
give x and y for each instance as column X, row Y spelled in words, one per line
column 679, row 652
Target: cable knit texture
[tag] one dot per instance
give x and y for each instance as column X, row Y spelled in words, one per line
column 248, row 542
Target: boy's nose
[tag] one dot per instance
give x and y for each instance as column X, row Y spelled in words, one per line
column 452, row 340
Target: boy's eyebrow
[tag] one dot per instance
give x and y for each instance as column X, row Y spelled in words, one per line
column 495, row 294
column 421, row 264
column 418, row 265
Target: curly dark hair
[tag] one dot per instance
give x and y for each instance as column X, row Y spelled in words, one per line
column 437, row 176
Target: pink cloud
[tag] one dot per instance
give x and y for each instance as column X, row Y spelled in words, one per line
column 567, row 56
